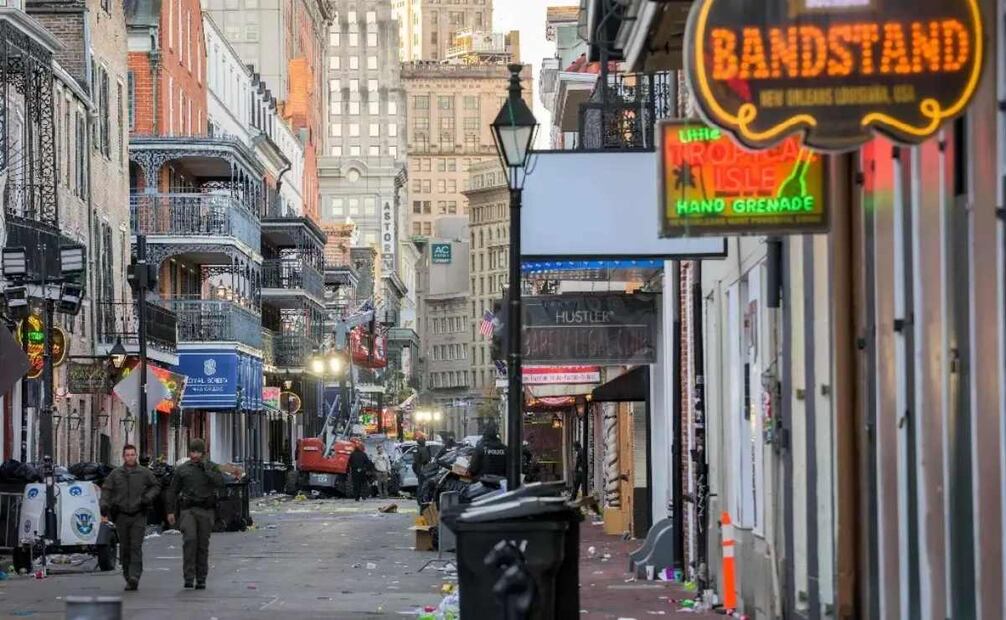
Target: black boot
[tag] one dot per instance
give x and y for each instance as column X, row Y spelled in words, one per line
column 188, row 584
column 200, row 585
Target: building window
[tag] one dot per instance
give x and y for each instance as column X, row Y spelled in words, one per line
column 375, row 130
column 417, row 206
column 335, row 62
column 354, row 150
column 336, row 151
column 427, row 208
column 452, row 206
column 122, row 119
column 427, row 227
column 393, row 151
column 354, row 206
column 371, row 39
column 471, row 123
column 372, row 62
column 354, row 85
column 338, row 207
column 442, row 185
column 335, row 130
column 334, row 38
column 417, row 228
column 441, row 207
column 421, row 123
column 371, row 17
column 354, row 108
column 392, row 107
column 392, row 130
column 421, row 102
column 374, row 107
column 372, row 86
column 354, row 39
column 335, row 108
column 131, row 80
column 354, row 62
column 445, row 103
column 354, row 130
column 471, row 102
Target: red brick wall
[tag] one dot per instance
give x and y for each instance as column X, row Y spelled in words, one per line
column 183, row 69
column 143, row 89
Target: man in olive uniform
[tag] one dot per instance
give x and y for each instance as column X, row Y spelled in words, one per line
column 193, row 494
column 126, row 495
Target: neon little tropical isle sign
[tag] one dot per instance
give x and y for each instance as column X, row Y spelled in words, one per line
column 835, row 70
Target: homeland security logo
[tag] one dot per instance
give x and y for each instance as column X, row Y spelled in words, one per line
column 83, row 522
column 32, row 493
column 75, row 491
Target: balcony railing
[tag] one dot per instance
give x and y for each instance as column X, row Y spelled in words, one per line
column 295, row 274
column 118, row 319
column 204, row 320
column 623, row 111
column 268, row 347
column 292, row 350
column 194, row 215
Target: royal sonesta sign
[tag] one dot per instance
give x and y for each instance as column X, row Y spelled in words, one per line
column 711, row 186
column 833, row 69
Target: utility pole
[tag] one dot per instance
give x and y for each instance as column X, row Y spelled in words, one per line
column 143, row 276
column 45, row 439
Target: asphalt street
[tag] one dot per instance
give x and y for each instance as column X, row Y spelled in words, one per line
column 303, row 559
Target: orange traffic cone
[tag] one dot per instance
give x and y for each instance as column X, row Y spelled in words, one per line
column 729, row 576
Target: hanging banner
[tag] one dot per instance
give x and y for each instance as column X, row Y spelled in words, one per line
column 389, row 240
column 173, row 382
column 711, row 186
column 369, row 351
column 835, row 70
column 212, row 379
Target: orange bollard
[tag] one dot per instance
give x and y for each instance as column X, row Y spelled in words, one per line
column 729, row 576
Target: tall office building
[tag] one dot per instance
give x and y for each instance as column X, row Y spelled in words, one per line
column 427, row 28
column 451, row 106
column 362, row 169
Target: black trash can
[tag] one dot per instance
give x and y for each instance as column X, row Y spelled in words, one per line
column 552, row 531
column 233, row 513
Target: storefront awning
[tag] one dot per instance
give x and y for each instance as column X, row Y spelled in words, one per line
column 632, row 386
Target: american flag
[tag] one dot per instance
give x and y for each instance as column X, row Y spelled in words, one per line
column 488, row 324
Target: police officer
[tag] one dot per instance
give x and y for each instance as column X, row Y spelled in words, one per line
column 193, row 494
column 490, row 457
column 359, row 465
column 126, row 495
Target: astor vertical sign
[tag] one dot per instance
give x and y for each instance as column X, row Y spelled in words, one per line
column 835, row 70
column 388, row 240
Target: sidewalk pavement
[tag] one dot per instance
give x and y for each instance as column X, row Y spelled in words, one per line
column 609, row 591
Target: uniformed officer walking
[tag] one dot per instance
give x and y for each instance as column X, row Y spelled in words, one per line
column 126, row 495
column 490, row 455
column 193, row 496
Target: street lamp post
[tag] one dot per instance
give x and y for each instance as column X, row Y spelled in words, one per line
column 514, row 131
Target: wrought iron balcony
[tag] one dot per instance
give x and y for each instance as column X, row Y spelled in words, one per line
column 206, row 320
column 292, row 350
column 292, row 275
column 268, row 347
column 195, row 215
column 624, row 109
column 119, row 319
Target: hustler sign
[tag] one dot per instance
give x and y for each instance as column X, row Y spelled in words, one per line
column 601, row 329
column 833, row 69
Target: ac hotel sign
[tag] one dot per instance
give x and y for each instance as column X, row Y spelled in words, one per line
column 835, row 70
